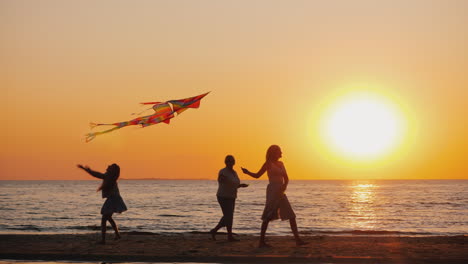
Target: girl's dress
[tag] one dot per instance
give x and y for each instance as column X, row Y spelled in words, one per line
column 114, row 202
column 277, row 204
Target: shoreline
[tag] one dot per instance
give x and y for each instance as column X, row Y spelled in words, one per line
column 199, row 233
column 198, row 247
column 351, row 233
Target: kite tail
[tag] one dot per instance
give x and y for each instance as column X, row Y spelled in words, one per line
column 147, row 124
column 93, row 125
column 91, row 136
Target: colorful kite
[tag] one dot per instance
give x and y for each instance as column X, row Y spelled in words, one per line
column 163, row 112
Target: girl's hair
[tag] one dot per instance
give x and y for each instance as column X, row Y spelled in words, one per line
column 270, row 152
column 110, row 178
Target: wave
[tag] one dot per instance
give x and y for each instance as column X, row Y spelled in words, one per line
column 24, row 228
column 170, row 215
column 141, row 230
column 324, row 233
column 140, row 233
column 365, row 232
column 92, row 227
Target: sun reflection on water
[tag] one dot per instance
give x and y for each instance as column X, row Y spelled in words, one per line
column 362, row 212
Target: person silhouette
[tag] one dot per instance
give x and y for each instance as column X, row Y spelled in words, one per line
column 277, row 204
column 228, row 183
column 110, row 190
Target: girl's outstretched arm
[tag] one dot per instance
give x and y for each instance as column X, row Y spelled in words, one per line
column 258, row 174
column 91, row 172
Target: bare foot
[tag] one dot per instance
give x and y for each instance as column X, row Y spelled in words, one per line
column 300, row 242
column 102, row 242
column 264, row 245
column 213, row 234
column 117, row 237
column 232, row 239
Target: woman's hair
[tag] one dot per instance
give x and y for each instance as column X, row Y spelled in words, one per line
column 270, row 152
column 110, row 178
column 228, row 157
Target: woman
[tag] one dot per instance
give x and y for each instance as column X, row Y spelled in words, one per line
column 228, row 183
column 110, row 190
column 277, row 204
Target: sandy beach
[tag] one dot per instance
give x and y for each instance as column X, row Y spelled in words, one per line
column 198, row 247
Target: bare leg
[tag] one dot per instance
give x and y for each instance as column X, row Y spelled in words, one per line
column 229, row 215
column 103, row 228
column 217, row 227
column 229, row 233
column 293, row 224
column 114, row 226
column 230, row 237
column 227, row 206
column 262, row 235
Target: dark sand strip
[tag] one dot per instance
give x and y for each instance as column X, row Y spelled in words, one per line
column 147, row 247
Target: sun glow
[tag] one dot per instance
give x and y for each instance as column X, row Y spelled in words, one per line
column 362, row 126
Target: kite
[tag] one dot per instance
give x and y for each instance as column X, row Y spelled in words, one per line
column 163, row 112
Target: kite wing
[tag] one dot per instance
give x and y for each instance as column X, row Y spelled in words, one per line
column 181, row 105
column 163, row 112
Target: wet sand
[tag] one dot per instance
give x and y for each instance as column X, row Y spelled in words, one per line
column 198, row 247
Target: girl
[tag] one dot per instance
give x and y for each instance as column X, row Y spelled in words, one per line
column 110, row 190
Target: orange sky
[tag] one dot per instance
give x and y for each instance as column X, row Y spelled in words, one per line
column 269, row 65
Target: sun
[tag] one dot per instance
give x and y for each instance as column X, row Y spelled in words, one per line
column 362, row 126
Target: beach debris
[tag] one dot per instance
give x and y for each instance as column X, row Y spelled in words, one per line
column 163, row 112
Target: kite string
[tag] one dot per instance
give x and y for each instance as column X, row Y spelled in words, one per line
column 142, row 111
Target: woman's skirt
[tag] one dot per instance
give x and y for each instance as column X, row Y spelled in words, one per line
column 277, row 205
column 113, row 204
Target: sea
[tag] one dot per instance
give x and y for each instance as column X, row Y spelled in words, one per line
column 387, row 207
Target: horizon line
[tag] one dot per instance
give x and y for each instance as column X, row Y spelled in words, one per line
column 206, row 179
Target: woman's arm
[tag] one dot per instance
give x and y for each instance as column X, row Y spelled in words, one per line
column 91, row 172
column 258, row 174
column 221, row 177
column 285, row 178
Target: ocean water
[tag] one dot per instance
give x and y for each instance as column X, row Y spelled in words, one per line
column 413, row 207
column 82, row 262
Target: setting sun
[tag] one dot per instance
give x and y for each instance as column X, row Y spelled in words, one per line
column 362, row 126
